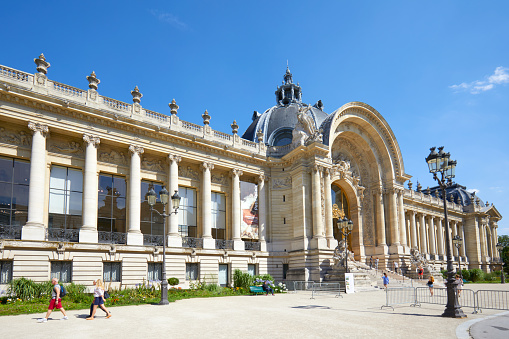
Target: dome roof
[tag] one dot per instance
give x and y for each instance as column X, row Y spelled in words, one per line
column 459, row 194
column 278, row 122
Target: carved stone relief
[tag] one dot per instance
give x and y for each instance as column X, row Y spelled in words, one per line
column 188, row 172
column 219, row 178
column 282, row 183
column 152, row 164
column 67, row 147
column 19, row 138
column 112, row 156
column 368, row 227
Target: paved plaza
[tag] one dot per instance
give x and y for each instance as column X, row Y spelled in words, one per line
column 281, row 316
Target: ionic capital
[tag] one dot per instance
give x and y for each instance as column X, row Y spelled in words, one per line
column 207, row 166
column 136, row 149
column 37, row 127
column 91, row 140
column 174, row 158
column 262, row 178
column 235, row 172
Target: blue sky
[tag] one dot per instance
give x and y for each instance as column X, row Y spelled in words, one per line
column 438, row 71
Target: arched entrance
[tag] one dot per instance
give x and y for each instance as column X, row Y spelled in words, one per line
column 340, row 209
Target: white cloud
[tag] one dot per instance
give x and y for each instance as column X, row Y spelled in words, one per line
column 499, row 76
column 169, row 18
column 473, row 190
column 497, row 189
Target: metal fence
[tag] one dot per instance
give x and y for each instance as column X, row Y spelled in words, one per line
column 498, row 300
column 466, row 297
column 325, row 289
column 399, row 296
column 301, row 285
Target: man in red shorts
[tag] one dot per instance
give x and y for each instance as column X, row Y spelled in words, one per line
column 56, row 302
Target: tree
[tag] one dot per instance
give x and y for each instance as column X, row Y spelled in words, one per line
column 504, row 240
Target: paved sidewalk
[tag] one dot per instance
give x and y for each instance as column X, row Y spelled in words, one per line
column 281, row 316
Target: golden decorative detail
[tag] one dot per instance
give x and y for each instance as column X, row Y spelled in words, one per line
column 337, row 213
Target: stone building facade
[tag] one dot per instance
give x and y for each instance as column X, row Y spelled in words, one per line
column 75, row 167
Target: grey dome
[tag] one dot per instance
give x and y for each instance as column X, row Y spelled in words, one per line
column 459, row 194
column 278, row 122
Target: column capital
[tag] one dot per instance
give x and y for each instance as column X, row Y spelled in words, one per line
column 92, row 140
column 207, row 166
column 317, row 168
column 37, row 127
column 328, row 171
column 236, row 172
column 136, row 149
column 173, row 157
column 262, row 178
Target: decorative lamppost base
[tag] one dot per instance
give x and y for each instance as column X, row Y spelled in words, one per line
column 453, row 309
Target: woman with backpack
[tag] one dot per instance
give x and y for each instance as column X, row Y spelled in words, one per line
column 430, row 282
column 56, row 301
column 99, row 299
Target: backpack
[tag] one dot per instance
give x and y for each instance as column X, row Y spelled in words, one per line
column 63, row 292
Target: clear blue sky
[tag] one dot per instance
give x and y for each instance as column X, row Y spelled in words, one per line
column 438, row 71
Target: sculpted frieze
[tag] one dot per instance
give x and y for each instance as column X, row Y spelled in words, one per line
column 152, row 164
column 71, row 147
column 13, row 137
column 219, row 178
column 188, row 172
column 113, row 157
column 282, row 183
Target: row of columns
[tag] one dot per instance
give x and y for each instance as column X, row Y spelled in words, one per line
column 35, row 229
column 430, row 239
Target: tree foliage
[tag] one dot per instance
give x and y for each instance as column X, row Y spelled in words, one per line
column 504, row 240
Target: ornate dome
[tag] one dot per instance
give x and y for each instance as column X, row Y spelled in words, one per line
column 278, row 122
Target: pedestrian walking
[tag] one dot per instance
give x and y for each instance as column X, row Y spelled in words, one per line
column 55, row 302
column 459, row 280
column 385, row 280
column 396, row 266
column 99, row 299
column 376, row 263
column 371, row 262
column 430, row 282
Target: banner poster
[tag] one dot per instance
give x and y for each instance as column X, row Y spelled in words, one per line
column 349, row 283
column 249, row 207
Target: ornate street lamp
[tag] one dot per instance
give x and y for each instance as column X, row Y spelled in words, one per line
column 440, row 163
column 500, row 248
column 175, row 201
column 457, row 242
column 345, row 226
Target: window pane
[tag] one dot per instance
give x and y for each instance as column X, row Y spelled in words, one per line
column 104, row 206
column 104, row 225
column 157, row 229
column 20, row 197
column 105, row 184
column 119, row 226
column 106, row 272
column 119, row 186
column 144, row 190
column 74, row 180
column 191, row 271
column 19, row 218
column 145, row 227
column 5, row 195
column 56, row 221
column 115, row 271
column 75, row 203
column 21, row 172
column 5, row 217
column 5, row 272
column 56, row 201
column 221, row 220
column 74, row 221
column 251, row 269
column 119, row 208
column 58, row 177
column 6, row 169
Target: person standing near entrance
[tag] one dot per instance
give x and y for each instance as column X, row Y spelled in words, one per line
column 371, row 262
column 385, row 280
column 396, row 267
column 56, row 302
column 376, row 263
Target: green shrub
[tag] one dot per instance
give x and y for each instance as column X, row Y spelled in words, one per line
column 466, row 274
column 476, row 275
column 173, row 281
column 76, row 293
column 24, row 289
column 213, row 288
column 444, row 273
column 242, row 279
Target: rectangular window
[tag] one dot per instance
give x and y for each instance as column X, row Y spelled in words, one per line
column 65, row 197
column 111, row 209
column 154, row 272
column 223, row 277
column 151, row 222
column 285, row 270
column 192, row 271
column 14, row 182
column 251, row 269
column 187, row 212
column 62, row 270
column 111, row 271
column 5, row 272
column 218, row 207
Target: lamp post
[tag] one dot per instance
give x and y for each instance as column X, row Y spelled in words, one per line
column 500, row 248
column 175, row 200
column 457, row 242
column 440, row 163
column 345, row 226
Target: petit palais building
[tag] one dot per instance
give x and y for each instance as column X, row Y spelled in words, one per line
column 76, row 166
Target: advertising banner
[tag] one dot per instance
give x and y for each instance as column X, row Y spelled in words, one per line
column 249, row 206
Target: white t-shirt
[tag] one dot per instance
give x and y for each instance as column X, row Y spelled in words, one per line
column 98, row 292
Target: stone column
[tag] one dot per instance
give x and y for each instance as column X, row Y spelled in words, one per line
column 440, row 237
column 413, row 229
column 402, row 223
column 463, row 247
column 238, row 244
column 134, row 235
column 262, row 212
column 380, row 221
column 208, row 241
column 431, row 231
column 174, row 238
column 494, row 239
column 422, row 226
column 34, row 228
column 455, row 251
column 393, row 216
column 329, row 230
column 318, row 233
column 88, row 232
